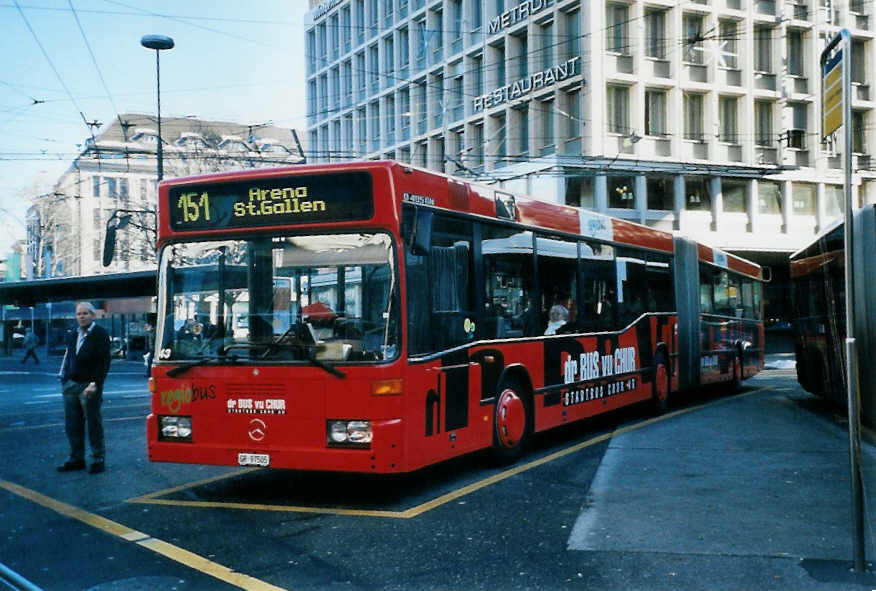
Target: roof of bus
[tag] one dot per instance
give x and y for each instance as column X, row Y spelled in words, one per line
column 444, row 191
column 833, row 226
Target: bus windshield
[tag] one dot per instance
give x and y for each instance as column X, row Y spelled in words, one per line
column 330, row 297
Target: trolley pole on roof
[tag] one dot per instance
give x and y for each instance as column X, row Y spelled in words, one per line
column 836, row 95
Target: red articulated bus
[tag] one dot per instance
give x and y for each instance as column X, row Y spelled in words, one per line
column 376, row 317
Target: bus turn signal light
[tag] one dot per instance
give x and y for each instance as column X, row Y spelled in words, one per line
column 386, row 388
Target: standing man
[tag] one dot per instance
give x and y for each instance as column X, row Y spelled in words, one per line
column 30, row 344
column 83, row 371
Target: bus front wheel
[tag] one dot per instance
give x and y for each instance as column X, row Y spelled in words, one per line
column 511, row 422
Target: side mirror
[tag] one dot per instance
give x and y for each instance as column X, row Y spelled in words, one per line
column 421, row 238
column 116, row 222
column 109, row 245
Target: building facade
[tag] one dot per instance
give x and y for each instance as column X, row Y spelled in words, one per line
column 702, row 117
column 117, row 171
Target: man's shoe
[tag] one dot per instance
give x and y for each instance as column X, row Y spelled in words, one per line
column 71, row 465
column 96, row 468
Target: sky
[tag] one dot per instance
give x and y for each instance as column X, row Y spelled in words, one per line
column 68, row 62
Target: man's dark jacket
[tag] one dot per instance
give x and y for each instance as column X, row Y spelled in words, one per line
column 92, row 362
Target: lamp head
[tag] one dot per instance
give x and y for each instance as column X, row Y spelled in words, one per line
column 157, row 42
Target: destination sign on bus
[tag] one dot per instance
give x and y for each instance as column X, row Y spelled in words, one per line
column 272, row 201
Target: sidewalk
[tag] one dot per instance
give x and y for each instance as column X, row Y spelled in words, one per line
column 11, row 364
column 757, row 483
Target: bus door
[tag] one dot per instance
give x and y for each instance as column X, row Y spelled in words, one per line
column 445, row 384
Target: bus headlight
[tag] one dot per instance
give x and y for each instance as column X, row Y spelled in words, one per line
column 354, row 433
column 174, row 428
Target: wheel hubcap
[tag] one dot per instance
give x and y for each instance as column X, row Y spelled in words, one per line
column 510, row 418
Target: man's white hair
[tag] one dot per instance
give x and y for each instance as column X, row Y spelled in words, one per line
column 88, row 306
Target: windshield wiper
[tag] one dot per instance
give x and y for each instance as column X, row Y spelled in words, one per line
column 273, row 347
column 184, row 367
column 326, row 366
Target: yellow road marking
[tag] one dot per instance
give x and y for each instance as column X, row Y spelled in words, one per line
column 152, row 498
column 175, row 553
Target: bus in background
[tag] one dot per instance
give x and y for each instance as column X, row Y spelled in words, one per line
column 819, row 296
column 376, row 317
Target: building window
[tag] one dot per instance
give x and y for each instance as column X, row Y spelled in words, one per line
column 547, row 44
column 521, row 128
column 422, row 44
column 729, row 44
column 477, row 73
column 477, row 145
column 618, row 99
column 547, row 128
column 661, row 194
column 361, row 85
column 859, row 132
column 617, row 21
column 735, row 199
column 655, row 112
column 655, row 33
column 500, row 138
column 803, row 199
column 96, row 218
column 455, row 26
column 374, row 69
column 573, row 34
column 796, row 59
column 763, row 123
column 763, row 49
column 123, row 189
column 797, row 135
column 311, row 51
column 96, row 249
column 375, row 125
column 620, row 192
column 728, row 125
column 693, row 39
column 769, row 197
column 404, row 53
column 859, row 61
column 95, row 186
column 112, row 188
column 693, row 116
column 522, row 50
column 388, row 62
column 697, row 194
column 362, row 122
column 573, row 122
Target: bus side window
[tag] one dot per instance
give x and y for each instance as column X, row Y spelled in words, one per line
column 507, row 256
column 706, row 290
column 632, row 286
column 661, row 290
column 557, row 272
column 598, row 287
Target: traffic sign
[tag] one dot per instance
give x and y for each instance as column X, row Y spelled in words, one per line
column 832, row 97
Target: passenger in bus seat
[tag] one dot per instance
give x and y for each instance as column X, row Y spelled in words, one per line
column 558, row 317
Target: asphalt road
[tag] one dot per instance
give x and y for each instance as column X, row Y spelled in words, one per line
column 465, row 524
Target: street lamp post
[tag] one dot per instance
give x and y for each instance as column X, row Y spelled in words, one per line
column 158, row 43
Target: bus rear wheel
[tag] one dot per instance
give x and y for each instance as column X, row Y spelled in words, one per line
column 661, row 383
column 511, row 422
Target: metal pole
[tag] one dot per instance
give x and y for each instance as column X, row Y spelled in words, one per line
column 158, row 86
column 852, row 390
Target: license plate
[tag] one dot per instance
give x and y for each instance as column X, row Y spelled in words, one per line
column 245, row 459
